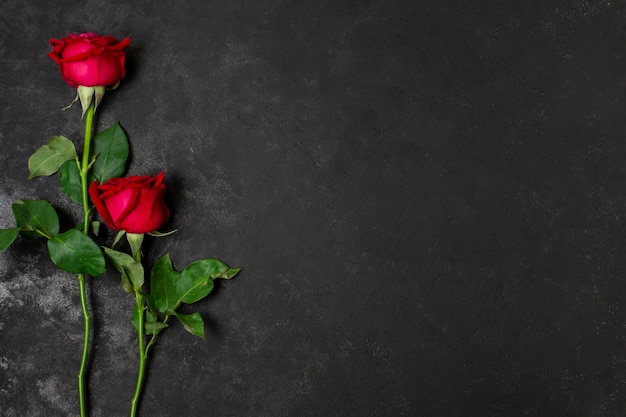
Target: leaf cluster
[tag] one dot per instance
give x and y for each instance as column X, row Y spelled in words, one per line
column 169, row 289
column 109, row 155
column 72, row 250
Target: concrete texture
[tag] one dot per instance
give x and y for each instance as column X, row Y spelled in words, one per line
column 427, row 200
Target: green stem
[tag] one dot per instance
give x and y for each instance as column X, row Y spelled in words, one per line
column 141, row 344
column 142, row 354
column 84, row 171
column 154, row 335
column 84, row 168
column 83, row 363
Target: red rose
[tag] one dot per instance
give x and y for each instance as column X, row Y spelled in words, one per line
column 90, row 60
column 133, row 204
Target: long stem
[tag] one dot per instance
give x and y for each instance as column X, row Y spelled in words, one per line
column 84, row 170
column 141, row 343
column 154, row 335
column 83, row 363
column 142, row 354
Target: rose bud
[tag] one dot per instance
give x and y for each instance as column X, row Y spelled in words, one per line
column 134, row 204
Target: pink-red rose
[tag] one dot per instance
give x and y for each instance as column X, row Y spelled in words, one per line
column 133, row 204
column 90, row 60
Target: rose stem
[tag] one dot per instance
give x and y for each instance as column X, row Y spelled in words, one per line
column 143, row 352
column 83, row 362
column 84, row 170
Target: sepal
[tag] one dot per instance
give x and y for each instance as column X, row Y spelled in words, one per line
column 88, row 94
column 134, row 240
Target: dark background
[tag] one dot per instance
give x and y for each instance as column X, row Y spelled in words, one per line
column 426, row 198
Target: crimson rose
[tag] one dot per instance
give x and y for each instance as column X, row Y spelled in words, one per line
column 134, row 204
column 90, row 60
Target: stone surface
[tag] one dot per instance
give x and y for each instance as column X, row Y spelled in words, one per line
column 427, row 200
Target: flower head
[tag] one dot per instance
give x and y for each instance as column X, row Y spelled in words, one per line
column 90, row 63
column 134, row 204
column 90, row 60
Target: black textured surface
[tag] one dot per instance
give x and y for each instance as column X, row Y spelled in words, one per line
column 427, row 200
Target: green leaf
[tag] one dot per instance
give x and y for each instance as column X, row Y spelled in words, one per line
column 7, row 236
column 171, row 288
column 150, row 302
column 36, row 218
column 163, row 284
column 76, row 252
column 228, row 274
column 70, row 181
column 112, row 148
column 150, row 324
column 193, row 323
column 126, row 284
column 196, row 280
column 48, row 159
column 131, row 270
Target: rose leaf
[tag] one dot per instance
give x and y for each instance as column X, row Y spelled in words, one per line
column 196, row 281
column 7, row 236
column 111, row 146
column 131, row 270
column 76, row 252
column 193, row 323
column 70, row 181
column 48, row 159
column 228, row 274
column 163, row 285
column 36, row 218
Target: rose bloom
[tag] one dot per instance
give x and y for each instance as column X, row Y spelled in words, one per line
column 90, row 60
column 134, row 204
